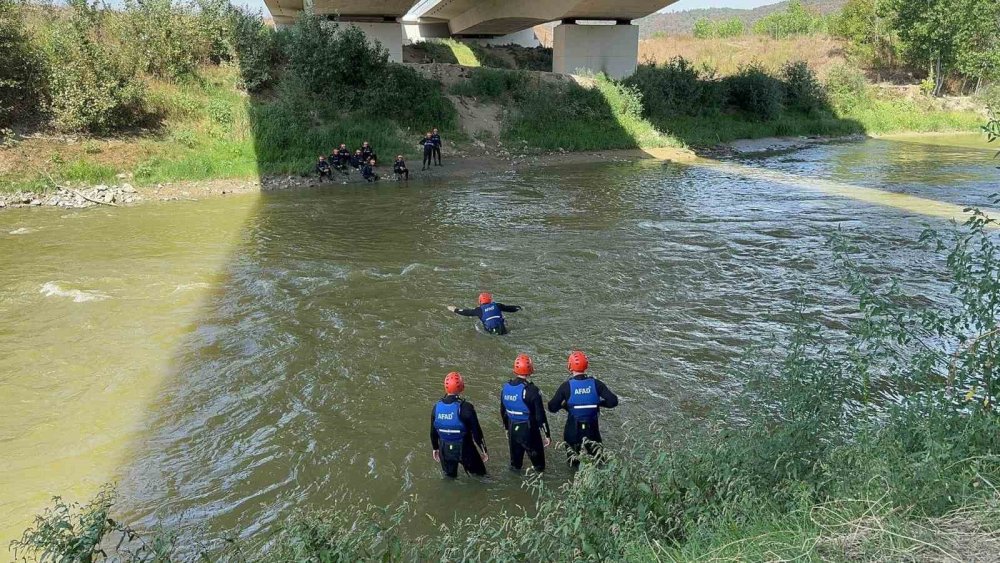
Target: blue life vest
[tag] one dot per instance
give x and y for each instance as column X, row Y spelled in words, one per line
column 513, row 402
column 491, row 316
column 583, row 401
column 447, row 421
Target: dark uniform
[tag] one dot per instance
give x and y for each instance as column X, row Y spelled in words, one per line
column 399, row 168
column 368, row 173
column 436, row 139
column 357, row 161
column 583, row 397
column 323, row 169
column 491, row 316
column 428, row 144
column 455, row 431
column 368, row 153
column 523, row 413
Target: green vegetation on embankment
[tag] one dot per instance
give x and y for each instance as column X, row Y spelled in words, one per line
column 879, row 444
column 211, row 92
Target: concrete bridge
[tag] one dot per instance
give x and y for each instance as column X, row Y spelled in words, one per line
column 592, row 36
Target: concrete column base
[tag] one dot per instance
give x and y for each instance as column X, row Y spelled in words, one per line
column 389, row 34
column 582, row 49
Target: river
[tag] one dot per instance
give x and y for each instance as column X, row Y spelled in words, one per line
column 229, row 360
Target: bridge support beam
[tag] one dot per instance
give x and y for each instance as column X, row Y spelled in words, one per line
column 388, row 33
column 611, row 49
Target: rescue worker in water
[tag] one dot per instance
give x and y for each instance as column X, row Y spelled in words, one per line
column 583, row 397
column 490, row 313
column 522, row 411
column 456, row 437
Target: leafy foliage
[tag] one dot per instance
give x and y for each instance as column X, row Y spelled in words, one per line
column 22, row 71
column 677, row 88
column 803, row 90
column 756, row 92
column 94, row 86
column 795, row 20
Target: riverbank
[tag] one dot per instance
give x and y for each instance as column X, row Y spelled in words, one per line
column 123, row 193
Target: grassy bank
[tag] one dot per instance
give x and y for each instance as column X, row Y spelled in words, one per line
column 240, row 100
column 881, row 445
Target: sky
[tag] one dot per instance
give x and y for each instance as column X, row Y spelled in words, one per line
column 679, row 6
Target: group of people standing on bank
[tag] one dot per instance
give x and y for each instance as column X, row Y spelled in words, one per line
column 457, row 437
column 364, row 160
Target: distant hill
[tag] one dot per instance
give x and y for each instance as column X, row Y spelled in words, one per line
column 682, row 23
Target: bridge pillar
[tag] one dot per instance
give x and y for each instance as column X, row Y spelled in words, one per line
column 388, row 33
column 611, row 49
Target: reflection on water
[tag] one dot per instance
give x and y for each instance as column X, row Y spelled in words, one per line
column 229, row 360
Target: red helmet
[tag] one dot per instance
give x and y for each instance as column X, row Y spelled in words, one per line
column 485, row 298
column 453, row 383
column 577, row 362
column 523, row 366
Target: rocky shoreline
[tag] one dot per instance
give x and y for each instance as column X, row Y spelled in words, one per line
column 123, row 194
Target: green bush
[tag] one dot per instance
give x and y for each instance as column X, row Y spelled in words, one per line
column 755, row 92
column 256, row 48
column 94, row 86
column 846, row 87
column 167, row 40
column 795, row 20
column 803, row 91
column 492, row 84
column 326, row 58
column 22, row 73
column 676, row 88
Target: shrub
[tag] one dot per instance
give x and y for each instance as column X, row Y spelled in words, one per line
column 754, row 91
column 412, row 100
column 22, row 71
column 795, row 20
column 492, row 84
column 327, row 58
column 165, row 39
column 846, row 87
column 94, row 85
column 803, row 90
column 676, row 88
column 703, row 28
column 256, row 48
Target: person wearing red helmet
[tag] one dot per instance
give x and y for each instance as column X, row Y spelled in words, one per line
column 489, row 312
column 456, row 437
column 522, row 411
column 583, row 397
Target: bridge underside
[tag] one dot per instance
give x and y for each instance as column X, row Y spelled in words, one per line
column 612, row 49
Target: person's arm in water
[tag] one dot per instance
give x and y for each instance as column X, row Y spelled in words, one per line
column 509, row 308
column 608, row 399
column 465, row 312
column 503, row 413
column 435, row 443
column 560, row 398
column 471, row 421
column 537, row 407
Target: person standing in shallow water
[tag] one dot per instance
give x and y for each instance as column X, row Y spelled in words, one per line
column 436, row 139
column 583, row 397
column 489, row 313
column 456, row 437
column 522, row 411
column 428, row 143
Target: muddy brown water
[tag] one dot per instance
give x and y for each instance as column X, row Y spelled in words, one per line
column 229, row 360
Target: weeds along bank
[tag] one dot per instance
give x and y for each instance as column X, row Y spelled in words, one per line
column 209, row 92
column 881, row 445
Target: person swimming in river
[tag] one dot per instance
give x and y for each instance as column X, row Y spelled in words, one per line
column 489, row 313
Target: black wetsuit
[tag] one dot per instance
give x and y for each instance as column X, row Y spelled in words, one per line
column 368, row 173
column 356, row 161
column 323, row 169
column 526, row 438
column 465, row 454
column 367, row 153
column 428, row 151
column 343, row 160
column 400, row 169
column 478, row 313
column 576, row 431
column 436, row 138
